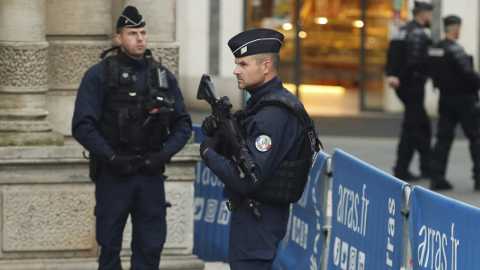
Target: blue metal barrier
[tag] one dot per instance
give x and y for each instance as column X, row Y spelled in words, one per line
column 367, row 223
column 367, row 226
column 302, row 246
column 444, row 233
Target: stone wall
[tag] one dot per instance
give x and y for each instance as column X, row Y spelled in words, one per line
column 47, row 203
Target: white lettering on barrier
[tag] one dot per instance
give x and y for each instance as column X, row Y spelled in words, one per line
column 211, row 212
column 348, row 212
column 299, row 232
column 390, row 232
column 432, row 251
column 208, row 178
column 347, row 257
column 223, row 214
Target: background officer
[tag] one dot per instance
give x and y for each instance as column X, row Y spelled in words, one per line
column 274, row 125
column 129, row 114
column 407, row 73
column 454, row 75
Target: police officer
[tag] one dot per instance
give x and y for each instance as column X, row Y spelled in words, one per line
column 129, row 114
column 280, row 139
column 454, row 75
column 407, row 73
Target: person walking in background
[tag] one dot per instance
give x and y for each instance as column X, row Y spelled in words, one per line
column 454, row 75
column 406, row 69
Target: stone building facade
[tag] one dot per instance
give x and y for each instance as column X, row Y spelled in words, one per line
column 46, row 209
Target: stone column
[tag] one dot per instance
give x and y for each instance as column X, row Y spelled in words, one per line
column 77, row 31
column 23, row 73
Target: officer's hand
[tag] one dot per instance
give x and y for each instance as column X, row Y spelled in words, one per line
column 393, row 82
column 211, row 143
column 210, row 126
column 125, row 165
column 154, row 163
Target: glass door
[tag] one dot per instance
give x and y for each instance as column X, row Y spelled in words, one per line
column 379, row 16
column 334, row 50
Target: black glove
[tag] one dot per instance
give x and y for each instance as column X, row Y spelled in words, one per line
column 154, row 163
column 125, row 165
column 209, row 143
column 210, row 126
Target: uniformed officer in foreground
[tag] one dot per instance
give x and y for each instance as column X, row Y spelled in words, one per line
column 453, row 73
column 130, row 116
column 276, row 129
column 406, row 69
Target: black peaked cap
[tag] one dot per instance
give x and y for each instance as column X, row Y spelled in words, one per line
column 255, row 41
column 451, row 19
column 422, row 6
column 130, row 18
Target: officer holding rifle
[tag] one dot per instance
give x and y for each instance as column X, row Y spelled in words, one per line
column 262, row 153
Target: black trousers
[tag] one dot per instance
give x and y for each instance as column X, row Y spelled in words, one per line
column 143, row 198
column 416, row 130
column 253, row 242
column 454, row 110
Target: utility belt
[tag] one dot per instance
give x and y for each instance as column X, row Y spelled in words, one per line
column 98, row 165
column 252, row 205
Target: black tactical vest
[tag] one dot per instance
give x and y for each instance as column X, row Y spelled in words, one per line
column 136, row 121
column 287, row 183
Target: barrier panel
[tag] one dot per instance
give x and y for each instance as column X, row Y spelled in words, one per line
column 367, row 223
column 211, row 217
column 444, row 233
column 302, row 246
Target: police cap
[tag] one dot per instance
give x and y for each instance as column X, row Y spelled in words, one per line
column 255, row 41
column 451, row 20
column 130, row 18
column 422, row 6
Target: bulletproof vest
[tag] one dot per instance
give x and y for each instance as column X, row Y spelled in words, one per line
column 407, row 56
column 136, row 121
column 287, row 183
column 452, row 69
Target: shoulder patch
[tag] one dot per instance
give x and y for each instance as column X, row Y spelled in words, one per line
column 436, row 52
column 263, row 143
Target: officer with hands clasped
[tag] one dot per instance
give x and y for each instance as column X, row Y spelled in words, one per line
column 454, row 75
column 130, row 115
column 280, row 140
column 407, row 67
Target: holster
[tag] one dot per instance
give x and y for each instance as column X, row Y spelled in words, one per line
column 94, row 167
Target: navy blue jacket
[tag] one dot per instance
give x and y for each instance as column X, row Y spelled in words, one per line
column 282, row 126
column 452, row 69
column 88, row 110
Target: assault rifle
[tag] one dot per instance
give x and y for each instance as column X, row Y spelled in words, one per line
column 228, row 128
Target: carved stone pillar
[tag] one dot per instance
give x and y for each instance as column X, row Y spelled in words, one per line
column 77, row 31
column 23, row 73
